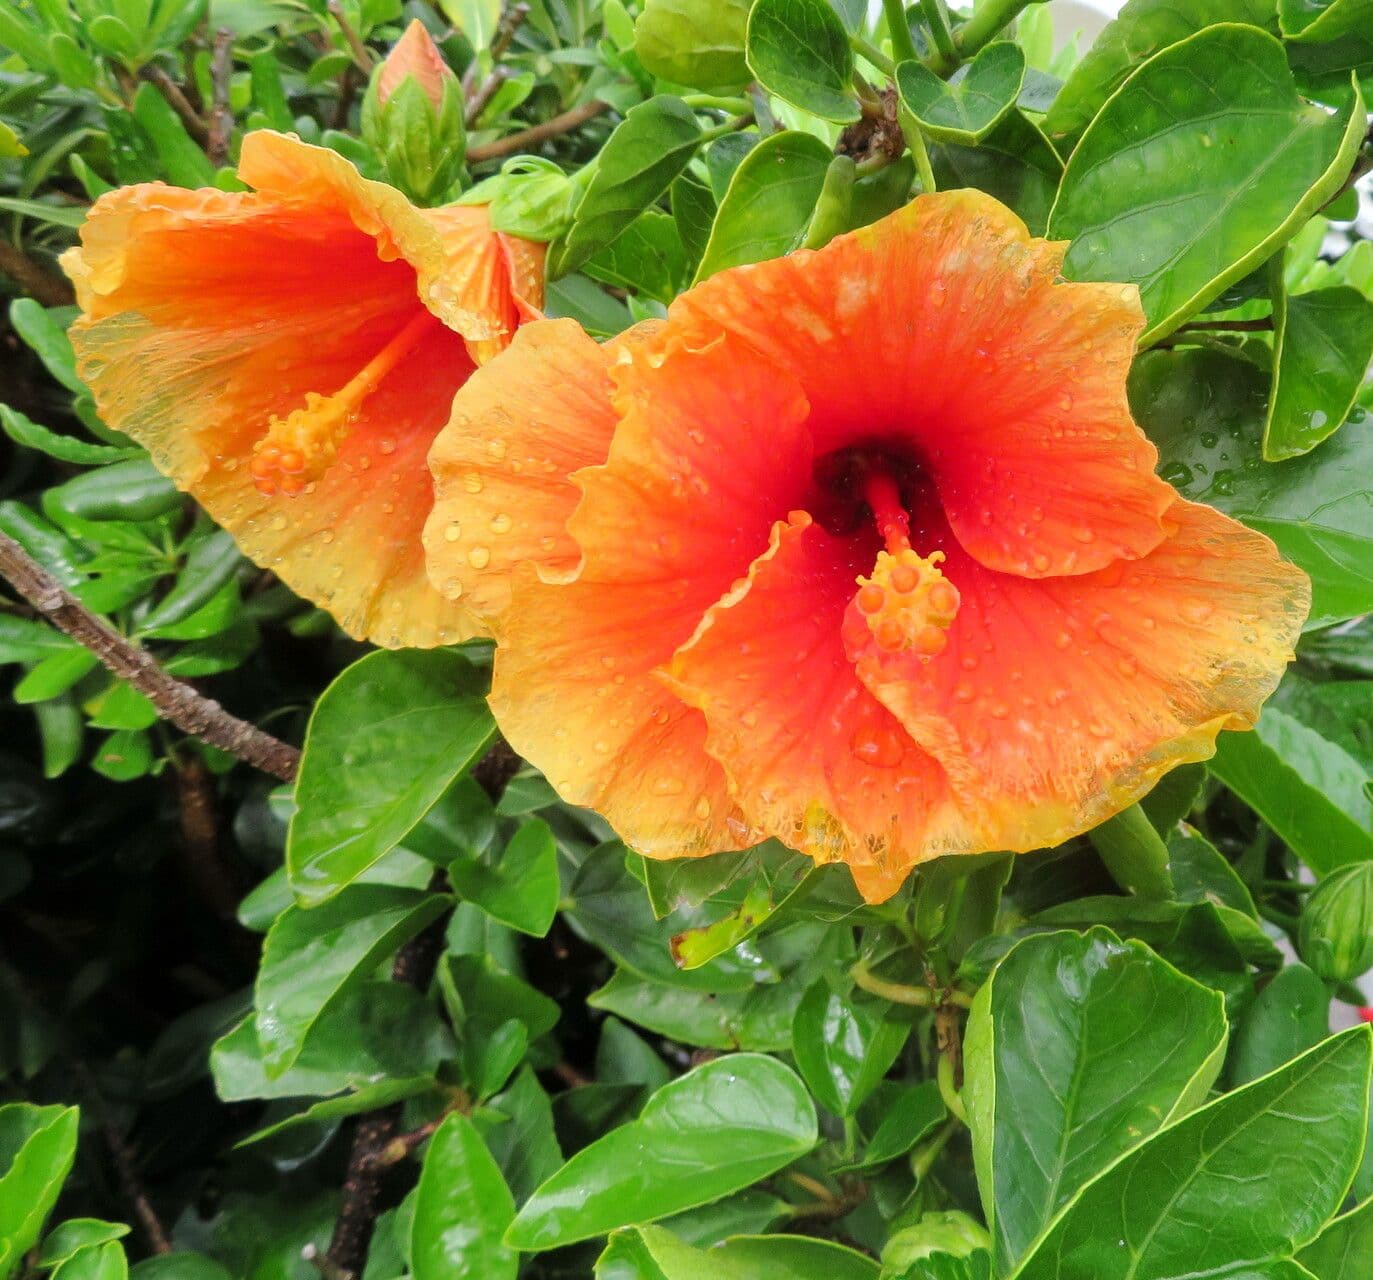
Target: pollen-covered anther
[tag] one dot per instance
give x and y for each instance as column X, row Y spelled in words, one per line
column 908, row 603
column 300, row 447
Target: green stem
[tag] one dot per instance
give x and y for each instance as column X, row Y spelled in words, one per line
column 1134, row 854
column 710, row 102
column 937, row 19
column 987, row 22
column 902, row 43
column 730, row 126
column 868, row 50
column 915, row 140
column 900, row 993
column 952, row 1098
column 925, row 1156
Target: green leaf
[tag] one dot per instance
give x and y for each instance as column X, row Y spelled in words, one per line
column 1201, row 874
column 1322, row 344
column 522, row 889
column 1278, row 1154
column 698, row 43
column 10, row 146
column 385, row 741
column 648, row 149
column 1205, row 411
column 1322, row 21
column 37, row 1147
column 647, row 257
column 102, row 1262
column 462, row 1208
column 967, row 107
column 27, row 640
column 44, row 331
column 76, row 1234
column 1015, row 163
column 768, row 204
column 844, row 1045
column 1288, row 1017
column 1134, row 853
column 1310, row 791
column 24, row 431
column 183, row 161
column 722, row 1126
column 210, row 562
column 1077, row 1048
column 1331, row 73
column 180, row 1266
column 311, row 956
column 782, row 1257
column 368, row 1097
column 908, row 1115
column 124, row 756
column 525, row 1145
column 134, row 490
column 1342, row 1250
column 1140, row 30
column 798, row 49
column 1201, row 164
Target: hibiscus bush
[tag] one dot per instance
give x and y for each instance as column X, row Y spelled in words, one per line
column 686, row 640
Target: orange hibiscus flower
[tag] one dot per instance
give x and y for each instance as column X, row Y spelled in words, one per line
column 287, row 356
column 859, row 549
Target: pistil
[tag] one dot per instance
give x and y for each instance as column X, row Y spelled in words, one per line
column 299, row 448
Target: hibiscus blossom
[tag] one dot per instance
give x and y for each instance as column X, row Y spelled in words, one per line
column 287, row 356
column 860, row 549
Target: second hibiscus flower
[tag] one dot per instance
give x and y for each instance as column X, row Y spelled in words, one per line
column 861, row 549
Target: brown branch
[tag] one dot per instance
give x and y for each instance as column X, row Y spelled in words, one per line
column 510, row 22
column 221, row 117
column 34, row 278
column 361, row 54
column 177, row 100
column 566, row 122
column 210, row 874
column 178, row 703
column 477, row 102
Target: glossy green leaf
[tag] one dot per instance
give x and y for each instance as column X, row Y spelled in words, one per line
column 134, row 490
column 968, row 106
column 759, row 1020
column 1342, row 1250
column 1198, row 167
column 698, row 43
column 385, row 741
column 179, row 1266
column 522, row 888
column 368, row 1097
column 524, row 1144
column 1077, row 1048
column 1289, row 1016
column 1201, row 874
column 798, row 49
column 648, row 149
column 720, row 1127
column 1321, row 21
column 37, row 1147
column 1140, row 30
column 1323, row 342
column 1305, row 787
column 462, row 1209
column 783, row 1257
column 1329, row 73
column 1205, row 411
column 1015, row 163
column 768, row 206
column 1278, row 1154
column 845, row 1044
column 24, row 431
column 647, row 257
column 311, row 956
column 908, row 1114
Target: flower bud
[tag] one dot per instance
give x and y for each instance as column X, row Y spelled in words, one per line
column 1336, row 933
column 415, row 54
column 412, row 117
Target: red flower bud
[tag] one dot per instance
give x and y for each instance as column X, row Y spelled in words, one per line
column 415, row 54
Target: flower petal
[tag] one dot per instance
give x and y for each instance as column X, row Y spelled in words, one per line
column 942, row 329
column 663, row 527
column 502, row 466
column 812, row 757
column 208, row 314
column 1059, row 702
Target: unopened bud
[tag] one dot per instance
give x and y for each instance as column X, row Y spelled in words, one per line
column 415, row 54
column 1336, row 934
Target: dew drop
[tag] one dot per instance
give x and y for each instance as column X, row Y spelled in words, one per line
column 479, row 557
column 703, row 808
column 472, row 482
column 501, row 523
column 452, row 531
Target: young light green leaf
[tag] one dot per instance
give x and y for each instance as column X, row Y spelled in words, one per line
column 1322, row 345
column 799, row 50
column 769, row 202
column 101, row 1262
column 462, row 1208
column 32, row 435
column 1200, row 165
column 1278, row 1153
column 1342, row 1250
column 37, row 1147
column 311, row 956
column 720, row 1127
column 698, row 43
column 1205, row 411
column 968, row 106
column 1077, row 1048
column 385, row 741
column 75, row 1234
